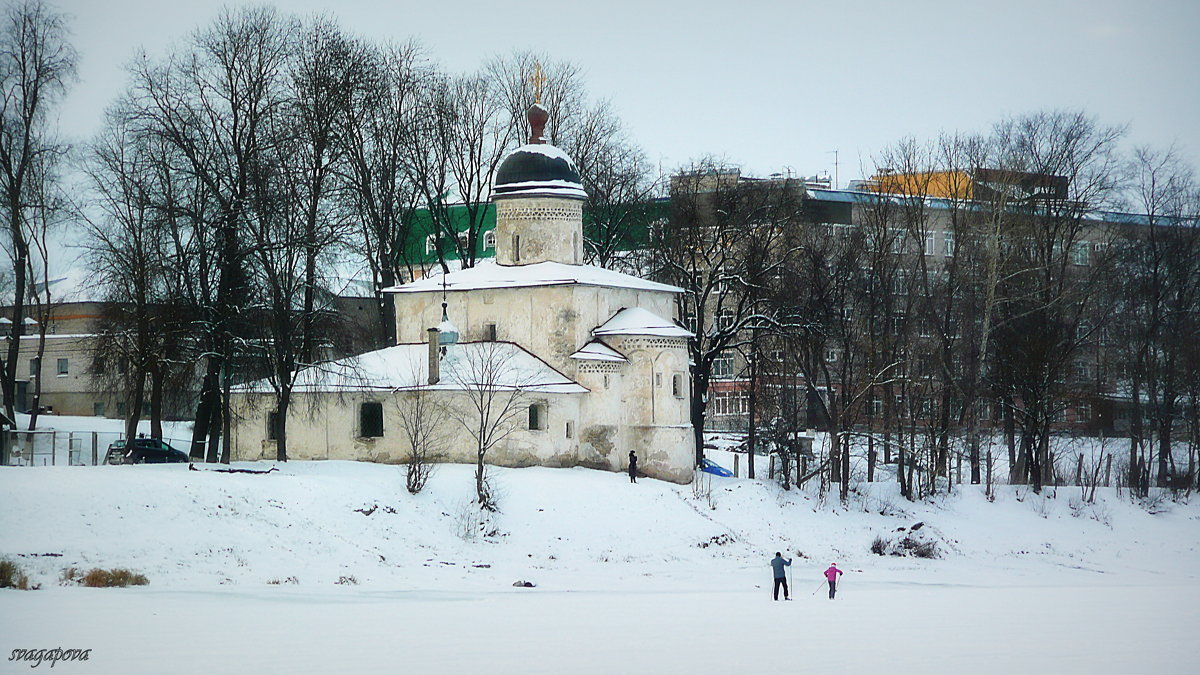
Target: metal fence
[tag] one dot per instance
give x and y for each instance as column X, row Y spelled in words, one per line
column 62, row 448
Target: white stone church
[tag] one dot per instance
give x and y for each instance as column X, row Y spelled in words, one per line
column 597, row 365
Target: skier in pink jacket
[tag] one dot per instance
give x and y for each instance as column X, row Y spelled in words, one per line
column 831, row 575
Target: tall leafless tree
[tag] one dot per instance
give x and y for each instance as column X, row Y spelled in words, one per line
column 495, row 400
column 36, row 64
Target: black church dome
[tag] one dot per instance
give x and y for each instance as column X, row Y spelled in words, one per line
column 538, row 169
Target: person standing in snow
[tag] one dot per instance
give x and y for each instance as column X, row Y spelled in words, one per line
column 632, row 466
column 831, row 575
column 777, row 565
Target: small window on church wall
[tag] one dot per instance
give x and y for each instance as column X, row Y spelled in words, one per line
column 273, row 425
column 516, row 248
column 606, row 382
column 370, row 420
column 489, row 332
column 570, row 429
column 658, row 379
column 537, row 416
column 677, row 385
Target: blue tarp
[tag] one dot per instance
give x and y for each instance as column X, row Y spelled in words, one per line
column 712, row 467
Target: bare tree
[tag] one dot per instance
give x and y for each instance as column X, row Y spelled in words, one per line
column 424, row 422
column 36, row 63
column 478, row 133
column 714, row 247
column 129, row 249
column 495, row 401
column 526, row 77
column 382, row 158
column 621, row 191
column 1050, row 296
column 1158, row 301
column 213, row 106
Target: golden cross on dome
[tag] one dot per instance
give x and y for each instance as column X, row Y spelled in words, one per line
column 537, row 79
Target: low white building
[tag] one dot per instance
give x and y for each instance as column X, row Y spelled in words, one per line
column 597, row 365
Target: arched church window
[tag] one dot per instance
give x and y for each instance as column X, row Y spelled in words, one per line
column 677, row 385
column 537, row 416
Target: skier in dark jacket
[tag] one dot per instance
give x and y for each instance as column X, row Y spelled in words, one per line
column 632, row 467
column 777, row 564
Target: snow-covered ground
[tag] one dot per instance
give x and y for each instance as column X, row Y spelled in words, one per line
column 652, row 577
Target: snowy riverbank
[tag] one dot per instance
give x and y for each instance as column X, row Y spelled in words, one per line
column 629, row 578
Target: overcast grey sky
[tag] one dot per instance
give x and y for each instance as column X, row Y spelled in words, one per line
column 767, row 85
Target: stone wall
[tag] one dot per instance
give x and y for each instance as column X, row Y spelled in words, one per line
column 539, row 229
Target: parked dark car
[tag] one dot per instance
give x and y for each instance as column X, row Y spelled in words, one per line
column 144, row 451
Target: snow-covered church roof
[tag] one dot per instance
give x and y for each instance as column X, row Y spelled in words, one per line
column 598, row 351
column 638, row 321
column 487, row 274
column 406, row 366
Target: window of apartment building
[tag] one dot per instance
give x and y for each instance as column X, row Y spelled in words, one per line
column 1083, row 413
column 689, row 322
column 1083, row 369
column 948, row 243
column 98, row 408
column 120, row 408
column 1080, row 253
column 64, row 367
column 35, row 366
column 725, row 319
column 430, row 244
column 925, row 407
column 729, row 403
column 489, row 240
column 930, row 242
column 370, row 419
column 875, row 407
column 722, row 368
column 833, row 355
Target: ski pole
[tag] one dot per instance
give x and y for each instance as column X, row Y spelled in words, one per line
column 818, row 588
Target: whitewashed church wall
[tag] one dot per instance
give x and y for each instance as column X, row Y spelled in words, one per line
column 552, row 322
column 328, row 430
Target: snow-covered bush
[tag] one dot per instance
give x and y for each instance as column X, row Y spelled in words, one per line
column 1097, row 511
column 918, row 541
